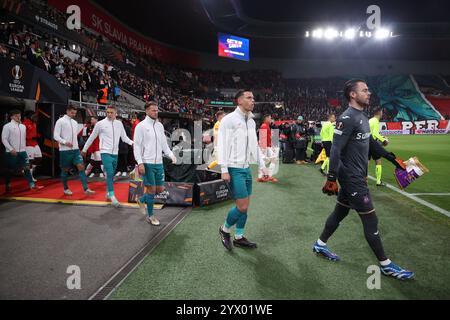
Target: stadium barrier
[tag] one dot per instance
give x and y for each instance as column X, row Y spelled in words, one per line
column 207, row 193
column 415, row 127
column 185, row 194
column 175, row 193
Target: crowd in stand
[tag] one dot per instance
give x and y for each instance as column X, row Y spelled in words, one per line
column 176, row 89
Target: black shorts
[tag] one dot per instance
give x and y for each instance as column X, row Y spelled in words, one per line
column 376, row 150
column 327, row 147
column 355, row 197
column 373, row 155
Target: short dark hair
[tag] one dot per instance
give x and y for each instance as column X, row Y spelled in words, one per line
column 93, row 117
column 240, row 93
column 70, row 107
column 266, row 116
column 150, row 103
column 350, row 86
column 111, row 107
column 219, row 113
column 14, row 112
column 28, row 114
column 377, row 110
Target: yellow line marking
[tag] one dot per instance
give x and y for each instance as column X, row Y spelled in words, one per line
column 156, row 206
column 64, row 201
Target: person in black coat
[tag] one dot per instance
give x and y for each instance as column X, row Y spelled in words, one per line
column 299, row 133
column 122, row 165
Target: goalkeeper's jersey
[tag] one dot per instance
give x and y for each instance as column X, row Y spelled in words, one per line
column 350, row 149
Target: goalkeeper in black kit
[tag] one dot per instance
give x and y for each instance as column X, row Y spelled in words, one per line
column 352, row 143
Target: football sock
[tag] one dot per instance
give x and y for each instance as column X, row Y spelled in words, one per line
column 232, row 218
column 332, row 223
column 64, row 179
column 385, row 262
column 150, row 199
column 240, row 225
column 378, row 170
column 370, row 224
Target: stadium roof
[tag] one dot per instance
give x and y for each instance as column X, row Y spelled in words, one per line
column 277, row 28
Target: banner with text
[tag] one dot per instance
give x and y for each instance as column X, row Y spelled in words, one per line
column 415, row 127
column 98, row 20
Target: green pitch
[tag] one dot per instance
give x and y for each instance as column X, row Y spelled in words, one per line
column 434, row 153
column 285, row 219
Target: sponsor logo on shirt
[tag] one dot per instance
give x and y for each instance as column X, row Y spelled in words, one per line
column 362, row 136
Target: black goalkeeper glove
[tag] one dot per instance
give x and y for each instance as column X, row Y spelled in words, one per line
column 331, row 187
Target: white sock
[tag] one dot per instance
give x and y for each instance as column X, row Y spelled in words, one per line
column 321, row 243
column 385, row 262
column 238, row 237
column 225, row 229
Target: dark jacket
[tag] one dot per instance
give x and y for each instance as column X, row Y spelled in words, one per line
column 123, row 147
column 299, row 135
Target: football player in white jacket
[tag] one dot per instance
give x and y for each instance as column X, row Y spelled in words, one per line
column 110, row 131
column 238, row 148
column 149, row 144
column 66, row 134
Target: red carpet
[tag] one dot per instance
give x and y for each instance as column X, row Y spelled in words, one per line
column 53, row 191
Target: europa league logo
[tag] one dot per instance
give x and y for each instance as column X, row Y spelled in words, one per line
column 17, row 72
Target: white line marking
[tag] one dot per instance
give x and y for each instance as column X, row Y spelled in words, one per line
column 430, row 194
column 412, row 197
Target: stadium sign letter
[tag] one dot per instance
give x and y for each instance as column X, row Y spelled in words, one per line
column 74, row 20
column 406, row 125
column 74, row 280
column 374, row 281
column 374, row 21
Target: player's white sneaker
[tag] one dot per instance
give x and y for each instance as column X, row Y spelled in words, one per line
column 89, row 192
column 152, row 220
column 114, row 201
column 118, row 174
column 102, row 175
column 67, row 192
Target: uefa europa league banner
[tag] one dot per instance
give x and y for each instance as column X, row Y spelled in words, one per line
column 22, row 80
column 16, row 79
